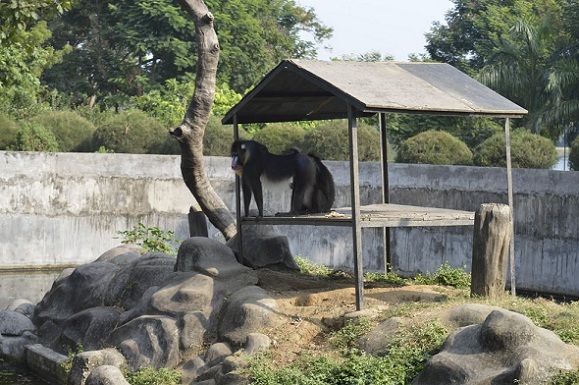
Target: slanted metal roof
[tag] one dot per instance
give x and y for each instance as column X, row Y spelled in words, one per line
column 314, row 90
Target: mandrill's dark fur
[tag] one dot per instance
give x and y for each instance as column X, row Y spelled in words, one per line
column 313, row 185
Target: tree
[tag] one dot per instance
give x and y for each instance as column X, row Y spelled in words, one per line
column 126, row 48
column 467, row 40
column 24, row 54
column 190, row 132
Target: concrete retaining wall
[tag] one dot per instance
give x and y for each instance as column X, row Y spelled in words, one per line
column 65, row 208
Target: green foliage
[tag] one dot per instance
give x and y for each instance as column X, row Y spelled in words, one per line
column 527, row 151
column 445, row 275
column 34, row 137
column 150, row 376
column 406, row 358
column 389, row 277
column 434, row 147
column 158, row 44
column 279, row 138
column 72, row 131
column 330, row 141
column 8, row 132
column 310, row 268
column 570, row 377
column 23, row 58
column 574, row 155
column 130, row 132
column 347, row 337
column 151, row 239
column 218, row 138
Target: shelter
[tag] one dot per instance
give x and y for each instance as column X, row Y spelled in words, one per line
column 299, row 90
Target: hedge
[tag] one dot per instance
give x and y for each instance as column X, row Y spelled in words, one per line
column 528, row 150
column 72, row 131
column 434, row 147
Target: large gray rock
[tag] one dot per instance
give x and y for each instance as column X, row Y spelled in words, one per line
column 191, row 369
column 121, row 255
column 217, row 353
column 264, row 246
column 194, row 326
column 256, row 343
column 378, row 340
column 87, row 329
column 14, row 324
column 185, row 293
column 249, row 310
column 212, row 258
column 22, row 306
column 85, row 362
column 467, row 314
column 507, row 347
column 84, row 288
column 14, row 348
column 148, row 341
column 106, row 375
column 131, row 281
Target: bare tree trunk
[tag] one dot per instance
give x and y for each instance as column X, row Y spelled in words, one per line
column 191, row 130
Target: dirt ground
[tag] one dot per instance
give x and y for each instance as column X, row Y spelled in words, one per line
column 311, row 308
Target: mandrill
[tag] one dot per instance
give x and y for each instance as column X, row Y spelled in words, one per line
column 312, row 184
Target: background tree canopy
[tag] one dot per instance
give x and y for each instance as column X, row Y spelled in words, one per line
column 97, row 59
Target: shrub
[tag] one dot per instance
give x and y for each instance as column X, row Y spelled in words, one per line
column 280, row 137
column 151, row 239
column 72, row 131
column 574, row 155
column 8, row 132
column 150, row 376
column 445, row 275
column 528, row 150
column 218, row 138
column 434, row 147
column 34, row 137
column 330, row 141
column 130, row 132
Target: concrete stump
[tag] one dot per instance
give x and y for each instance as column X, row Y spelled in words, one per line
column 490, row 250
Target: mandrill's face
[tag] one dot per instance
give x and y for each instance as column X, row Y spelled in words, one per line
column 238, row 157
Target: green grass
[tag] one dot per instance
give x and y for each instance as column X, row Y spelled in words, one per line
column 566, row 378
column 150, row 376
column 407, row 355
column 347, row 337
column 445, row 275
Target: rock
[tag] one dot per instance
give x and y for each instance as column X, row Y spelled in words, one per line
column 231, row 378
column 256, row 343
column 148, row 341
column 46, row 363
column 264, row 246
column 187, row 292
column 121, row 255
column 86, row 287
column 467, row 314
column 209, row 373
column 131, row 281
column 85, row 362
column 22, row 306
column 214, row 259
column 14, row 348
column 87, row 328
column 141, row 308
column 191, row 369
column 248, row 311
column 210, row 381
column 507, row 347
column 377, row 341
column 193, row 328
column 217, row 353
column 233, row 363
column 14, row 324
column 106, row 375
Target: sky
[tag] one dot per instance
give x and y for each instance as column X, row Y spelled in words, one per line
column 393, row 27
